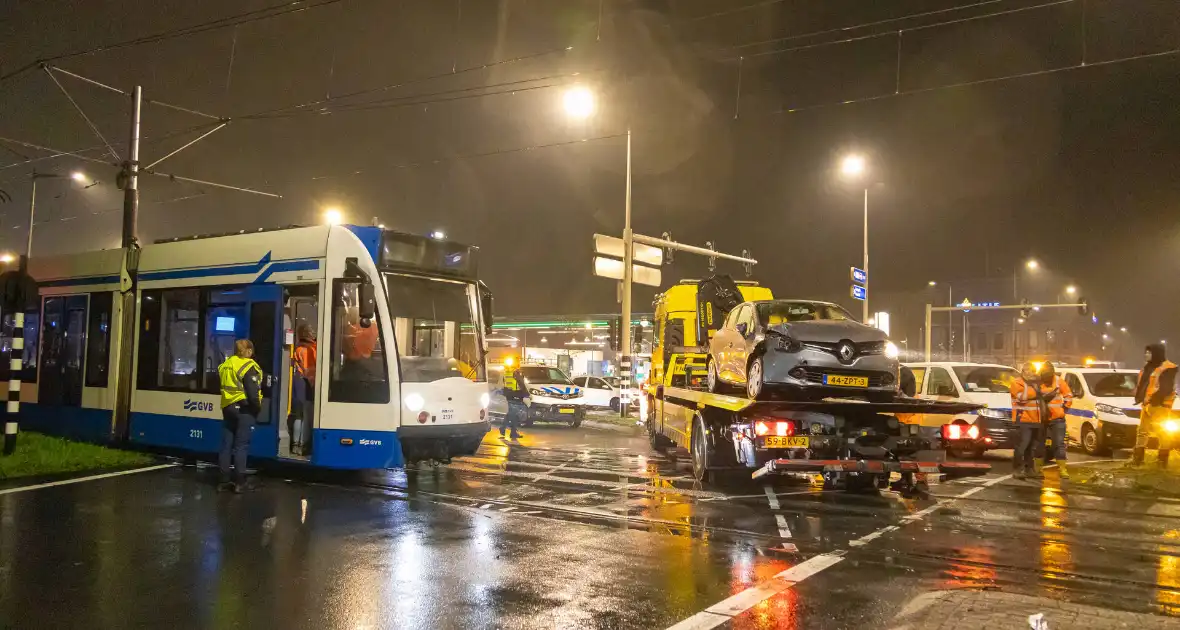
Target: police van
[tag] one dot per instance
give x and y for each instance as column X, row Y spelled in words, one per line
column 987, row 384
column 1104, row 415
column 553, row 396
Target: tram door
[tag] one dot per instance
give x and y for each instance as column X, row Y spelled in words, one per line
column 252, row 312
column 63, row 339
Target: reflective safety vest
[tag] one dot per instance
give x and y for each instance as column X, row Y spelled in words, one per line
column 1062, row 401
column 1025, row 408
column 1153, row 385
column 232, row 372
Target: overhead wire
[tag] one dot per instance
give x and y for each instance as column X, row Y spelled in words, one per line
column 265, row 13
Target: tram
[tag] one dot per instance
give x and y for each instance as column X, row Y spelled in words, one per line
column 400, row 322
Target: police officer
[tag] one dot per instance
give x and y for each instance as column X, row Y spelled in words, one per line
column 516, row 392
column 1056, row 399
column 1156, row 391
column 1026, row 412
column 241, row 402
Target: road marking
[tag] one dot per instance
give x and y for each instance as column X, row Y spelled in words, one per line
column 727, row 609
column 639, row 488
column 507, row 509
column 81, row 479
column 485, row 506
column 784, row 529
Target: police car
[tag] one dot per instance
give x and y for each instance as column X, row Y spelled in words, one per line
column 554, row 396
column 1104, row 415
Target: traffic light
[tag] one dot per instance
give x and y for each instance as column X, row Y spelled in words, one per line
column 1024, row 309
column 1084, row 308
column 616, row 333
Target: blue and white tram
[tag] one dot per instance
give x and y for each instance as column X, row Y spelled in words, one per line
column 412, row 385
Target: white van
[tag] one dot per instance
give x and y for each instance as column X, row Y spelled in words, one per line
column 982, row 383
column 1104, row 415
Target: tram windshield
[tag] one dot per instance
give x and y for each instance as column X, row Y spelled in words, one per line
column 436, row 327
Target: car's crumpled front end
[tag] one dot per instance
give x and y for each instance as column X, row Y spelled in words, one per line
column 831, row 358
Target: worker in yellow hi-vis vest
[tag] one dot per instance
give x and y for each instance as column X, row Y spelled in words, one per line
column 241, row 402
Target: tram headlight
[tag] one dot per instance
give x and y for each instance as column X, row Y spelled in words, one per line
column 485, row 399
column 415, row 402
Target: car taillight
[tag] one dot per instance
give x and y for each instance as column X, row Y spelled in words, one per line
column 960, row 432
column 775, row 427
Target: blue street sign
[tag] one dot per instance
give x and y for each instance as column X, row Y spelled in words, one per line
column 859, row 292
column 859, row 276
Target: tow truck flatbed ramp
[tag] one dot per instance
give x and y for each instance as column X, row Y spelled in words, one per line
column 833, row 406
column 949, row 469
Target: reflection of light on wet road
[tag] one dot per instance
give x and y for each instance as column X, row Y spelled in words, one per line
column 1167, row 577
column 1056, row 555
column 975, row 569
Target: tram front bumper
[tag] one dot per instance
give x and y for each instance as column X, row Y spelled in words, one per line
column 442, row 441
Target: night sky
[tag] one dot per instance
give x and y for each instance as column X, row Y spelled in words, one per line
column 735, row 139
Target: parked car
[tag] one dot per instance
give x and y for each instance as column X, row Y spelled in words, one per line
column 982, row 383
column 804, row 348
column 598, row 392
column 1104, row 415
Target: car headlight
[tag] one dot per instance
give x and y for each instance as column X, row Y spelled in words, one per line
column 786, row 343
column 415, row 402
column 485, row 399
column 998, row 414
column 1171, row 426
column 1105, row 408
column 891, row 350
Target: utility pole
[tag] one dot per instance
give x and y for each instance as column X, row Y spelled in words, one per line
column 628, row 261
column 129, row 179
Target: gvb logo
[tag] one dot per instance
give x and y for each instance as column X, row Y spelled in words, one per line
column 197, row 405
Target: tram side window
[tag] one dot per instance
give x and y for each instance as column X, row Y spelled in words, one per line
column 98, row 349
column 169, row 340
column 358, row 372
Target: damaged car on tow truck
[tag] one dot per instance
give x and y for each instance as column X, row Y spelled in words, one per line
column 804, row 349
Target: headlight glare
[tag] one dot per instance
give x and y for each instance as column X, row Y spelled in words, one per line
column 891, row 350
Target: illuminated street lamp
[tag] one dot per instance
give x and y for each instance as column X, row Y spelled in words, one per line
column 1071, row 289
column 7, row 258
column 1032, row 264
column 333, row 216
column 1123, row 329
column 854, row 167
column 579, row 102
column 932, row 283
column 438, row 235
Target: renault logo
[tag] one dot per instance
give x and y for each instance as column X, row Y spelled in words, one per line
column 846, row 351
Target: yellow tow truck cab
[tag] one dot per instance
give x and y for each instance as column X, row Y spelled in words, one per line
column 684, row 324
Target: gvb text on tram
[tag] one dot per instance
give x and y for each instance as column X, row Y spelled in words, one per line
column 399, row 322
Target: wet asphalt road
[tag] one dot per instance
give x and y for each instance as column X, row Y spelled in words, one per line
column 565, row 529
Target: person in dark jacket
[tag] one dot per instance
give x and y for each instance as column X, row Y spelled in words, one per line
column 1156, row 391
column 516, row 392
column 241, row 402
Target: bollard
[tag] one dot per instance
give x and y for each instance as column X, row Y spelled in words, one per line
column 16, row 364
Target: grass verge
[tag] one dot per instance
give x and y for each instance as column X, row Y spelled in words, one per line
column 611, row 417
column 38, row 454
column 1123, row 478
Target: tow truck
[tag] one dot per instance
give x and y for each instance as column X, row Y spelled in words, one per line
column 854, row 444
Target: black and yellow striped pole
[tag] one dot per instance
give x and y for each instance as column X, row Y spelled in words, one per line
column 19, row 291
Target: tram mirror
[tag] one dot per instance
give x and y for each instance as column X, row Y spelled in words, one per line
column 368, row 304
column 485, row 305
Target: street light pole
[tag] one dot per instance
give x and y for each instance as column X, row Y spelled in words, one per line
column 628, row 259
column 32, row 212
column 865, row 305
